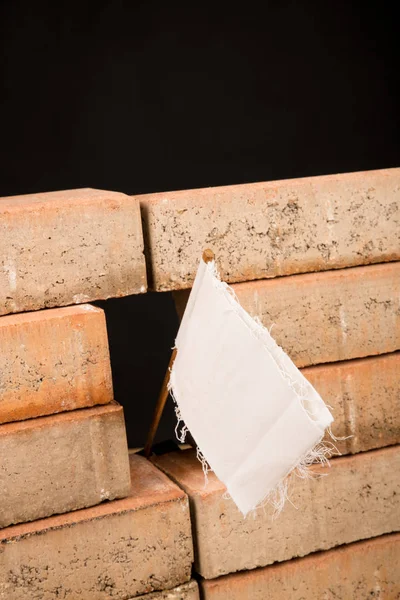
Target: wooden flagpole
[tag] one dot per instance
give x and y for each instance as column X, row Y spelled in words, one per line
column 208, row 256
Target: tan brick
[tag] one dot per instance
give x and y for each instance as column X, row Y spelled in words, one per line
column 364, row 395
column 117, row 549
column 362, row 570
column 188, row 591
column 69, row 247
column 53, row 360
column 263, row 230
column 359, row 498
column 63, row 462
column 326, row 317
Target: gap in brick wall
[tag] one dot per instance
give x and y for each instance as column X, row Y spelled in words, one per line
column 141, row 332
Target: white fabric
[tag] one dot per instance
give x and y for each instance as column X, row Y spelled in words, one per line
column 250, row 410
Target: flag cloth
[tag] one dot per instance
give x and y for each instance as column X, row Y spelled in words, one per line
column 252, row 413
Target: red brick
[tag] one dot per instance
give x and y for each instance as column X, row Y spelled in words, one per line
column 62, row 462
column 364, row 395
column 118, row 549
column 69, row 247
column 262, row 230
column 52, row 361
column 330, row 316
column 358, row 498
column 362, row 570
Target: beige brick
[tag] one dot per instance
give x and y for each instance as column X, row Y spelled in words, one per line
column 188, row 591
column 117, row 549
column 63, row 462
column 326, row 317
column 364, row 395
column 359, row 498
column 69, row 247
column 263, row 230
column 362, row 570
column 52, row 361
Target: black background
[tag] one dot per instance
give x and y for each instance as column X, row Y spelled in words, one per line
column 142, row 97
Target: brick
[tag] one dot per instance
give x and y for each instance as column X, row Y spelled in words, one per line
column 361, row 570
column 117, row 549
column 62, row 462
column 358, row 499
column 328, row 316
column 263, row 230
column 53, row 360
column 364, row 395
column 189, row 591
column 69, row 247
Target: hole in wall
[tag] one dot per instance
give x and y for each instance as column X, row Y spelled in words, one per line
column 141, row 332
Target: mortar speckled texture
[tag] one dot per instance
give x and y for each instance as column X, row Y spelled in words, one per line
column 69, row 247
column 359, row 571
column 364, row 396
column 263, row 230
column 62, row 462
column 52, row 361
column 359, row 498
column 117, row 549
column 329, row 316
column 189, row 591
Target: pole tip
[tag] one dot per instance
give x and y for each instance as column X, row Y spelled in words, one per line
column 208, row 255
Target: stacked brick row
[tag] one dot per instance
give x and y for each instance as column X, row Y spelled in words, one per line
column 316, row 260
column 79, row 517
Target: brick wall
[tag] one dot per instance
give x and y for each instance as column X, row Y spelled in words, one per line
column 81, row 517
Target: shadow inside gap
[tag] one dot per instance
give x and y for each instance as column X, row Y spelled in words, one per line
column 141, row 332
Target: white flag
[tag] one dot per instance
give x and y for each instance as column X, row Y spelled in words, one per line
column 252, row 413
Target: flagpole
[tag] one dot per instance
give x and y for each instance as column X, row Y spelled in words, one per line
column 162, row 398
column 208, row 256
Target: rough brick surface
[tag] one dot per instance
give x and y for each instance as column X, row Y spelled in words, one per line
column 330, row 316
column 275, row 228
column 63, row 462
column 364, row 395
column 52, row 361
column 359, row 498
column 118, row 549
column 359, row 571
column 69, row 247
column 188, row 591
